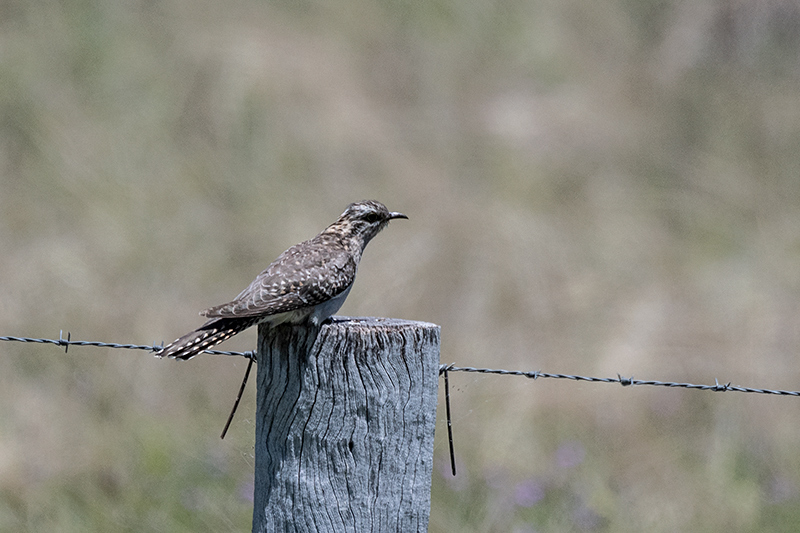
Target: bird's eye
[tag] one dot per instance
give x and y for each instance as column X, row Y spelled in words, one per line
column 372, row 217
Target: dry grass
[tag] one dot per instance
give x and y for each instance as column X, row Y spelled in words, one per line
column 593, row 188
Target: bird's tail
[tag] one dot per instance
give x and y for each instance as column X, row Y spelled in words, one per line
column 209, row 334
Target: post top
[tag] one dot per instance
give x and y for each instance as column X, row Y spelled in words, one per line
column 379, row 322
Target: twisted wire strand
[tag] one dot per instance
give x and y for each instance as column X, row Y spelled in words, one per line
column 66, row 343
column 625, row 382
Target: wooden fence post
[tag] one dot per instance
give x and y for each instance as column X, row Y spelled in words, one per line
column 344, row 426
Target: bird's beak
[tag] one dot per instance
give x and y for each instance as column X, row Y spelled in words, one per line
column 396, row 215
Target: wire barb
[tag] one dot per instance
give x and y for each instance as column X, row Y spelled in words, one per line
column 64, row 342
column 625, row 382
column 721, row 388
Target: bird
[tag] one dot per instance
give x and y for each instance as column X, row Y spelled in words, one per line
column 306, row 284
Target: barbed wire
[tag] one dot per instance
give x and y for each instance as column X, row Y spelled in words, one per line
column 66, row 343
column 444, row 371
column 625, row 382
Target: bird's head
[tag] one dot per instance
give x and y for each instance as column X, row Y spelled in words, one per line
column 365, row 220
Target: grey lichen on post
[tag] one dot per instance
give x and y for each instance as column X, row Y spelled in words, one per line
column 344, row 426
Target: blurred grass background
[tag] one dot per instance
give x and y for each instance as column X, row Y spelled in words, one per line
column 594, row 187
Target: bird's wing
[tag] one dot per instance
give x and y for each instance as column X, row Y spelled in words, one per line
column 305, row 275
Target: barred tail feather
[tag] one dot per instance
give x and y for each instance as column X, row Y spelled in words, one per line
column 203, row 338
